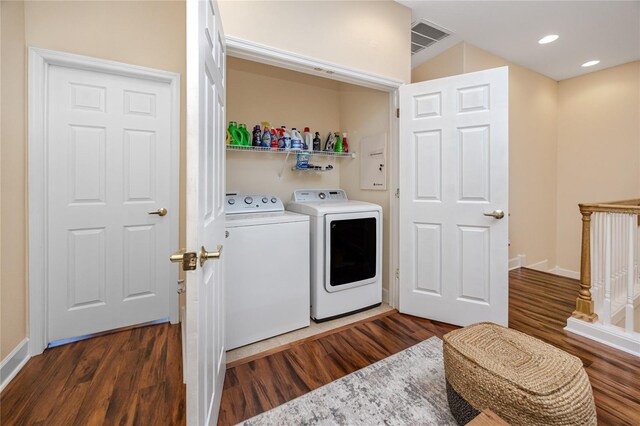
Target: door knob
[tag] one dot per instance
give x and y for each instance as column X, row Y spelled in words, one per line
column 498, row 214
column 160, row 212
column 206, row 255
column 188, row 259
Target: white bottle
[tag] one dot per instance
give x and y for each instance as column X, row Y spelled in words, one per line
column 296, row 139
column 307, row 139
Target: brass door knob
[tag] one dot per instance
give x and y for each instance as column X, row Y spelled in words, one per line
column 206, row 255
column 160, row 212
column 498, row 214
column 188, row 259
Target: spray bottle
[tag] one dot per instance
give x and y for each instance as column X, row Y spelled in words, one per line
column 345, row 144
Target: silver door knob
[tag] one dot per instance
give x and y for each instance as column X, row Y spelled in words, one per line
column 498, row 214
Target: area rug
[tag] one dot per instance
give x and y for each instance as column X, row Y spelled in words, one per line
column 407, row 388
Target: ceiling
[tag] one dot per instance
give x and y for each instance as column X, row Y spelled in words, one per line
column 604, row 30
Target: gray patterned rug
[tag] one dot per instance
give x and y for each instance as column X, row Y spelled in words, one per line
column 407, row 388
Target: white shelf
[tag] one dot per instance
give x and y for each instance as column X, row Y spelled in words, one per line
column 290, row 151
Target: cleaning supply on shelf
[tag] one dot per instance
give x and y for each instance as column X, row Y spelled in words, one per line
column 234, row 135
column 345, row 144
column 266, row 136
column 296, row 139
column 257, row 136
column 246, row 136
column 338, row 147
column 307, row 140
column 317, row 142
column 274, row 138
column 303, row 161
column 286, row 139
column 330, row 142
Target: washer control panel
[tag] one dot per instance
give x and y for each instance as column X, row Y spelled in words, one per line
column 251, row 203
column 307, row 195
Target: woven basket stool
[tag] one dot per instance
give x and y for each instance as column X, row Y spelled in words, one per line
column 523, row 380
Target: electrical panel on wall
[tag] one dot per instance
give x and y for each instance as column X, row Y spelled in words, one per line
column 373, row 162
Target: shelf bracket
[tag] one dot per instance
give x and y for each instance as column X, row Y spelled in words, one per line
column 284, row 164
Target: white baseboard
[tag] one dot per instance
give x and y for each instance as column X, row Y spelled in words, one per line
column 565, row 272
column 385, row 296
column 517, row 262
column 607, row 335
column 13, row 363
column 543, row 266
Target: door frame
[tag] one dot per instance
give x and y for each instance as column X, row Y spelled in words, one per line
column 252, row 51
column 38, row 88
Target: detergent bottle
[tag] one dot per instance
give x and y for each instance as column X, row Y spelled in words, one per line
column 330, row 143
column 274, row 139
column 345, row 144
column 307, row 140
column 257, row 136
column 234, row 135
column 317, row 142
column 246, row 136
column 296, row 139
column 286, row 139
column 266, row 136
column 338, row 147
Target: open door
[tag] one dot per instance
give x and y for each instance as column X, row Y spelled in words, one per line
column 454, row 198
column 205, row 351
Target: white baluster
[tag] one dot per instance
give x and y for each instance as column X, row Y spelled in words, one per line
column 631, row 275
column 606, row 309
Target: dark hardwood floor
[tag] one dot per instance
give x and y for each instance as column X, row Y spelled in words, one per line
column 135, row 376
column 124, row 378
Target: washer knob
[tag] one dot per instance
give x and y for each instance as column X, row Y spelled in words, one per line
column 322, row 195
column 265, row 200
column 248, row 200
column 231, row 201
column 274, row 200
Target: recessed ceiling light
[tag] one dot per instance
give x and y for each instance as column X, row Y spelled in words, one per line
column 548, row 39
column 591, row 63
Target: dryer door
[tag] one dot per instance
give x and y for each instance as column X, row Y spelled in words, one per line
column 352, row 250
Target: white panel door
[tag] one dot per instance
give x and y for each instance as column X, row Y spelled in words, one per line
column 453, row 172
column 108, row 165
column 205, row 352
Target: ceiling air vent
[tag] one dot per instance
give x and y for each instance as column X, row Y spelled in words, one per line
column 424, row 34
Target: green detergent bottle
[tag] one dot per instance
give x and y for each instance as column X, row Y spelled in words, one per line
column 234, row 135
column 338, row 147
column 246, row 136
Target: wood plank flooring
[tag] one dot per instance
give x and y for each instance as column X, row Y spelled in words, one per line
column 132, row 377
column 135, row 376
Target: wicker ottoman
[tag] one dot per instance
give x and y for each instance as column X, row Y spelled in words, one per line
column 523, row 380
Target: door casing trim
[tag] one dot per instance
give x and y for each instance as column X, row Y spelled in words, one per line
column 38, row 87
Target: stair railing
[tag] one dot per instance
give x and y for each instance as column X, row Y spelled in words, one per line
column 609, row 280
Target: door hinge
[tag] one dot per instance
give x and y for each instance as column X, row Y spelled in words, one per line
column 397, row 112
column 397, row 192
column 397, row 273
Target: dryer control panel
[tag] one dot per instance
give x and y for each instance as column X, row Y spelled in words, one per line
column 307, row 195
column 252, row 203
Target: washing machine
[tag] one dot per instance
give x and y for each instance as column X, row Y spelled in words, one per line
column 266, row 269
column 346, row 251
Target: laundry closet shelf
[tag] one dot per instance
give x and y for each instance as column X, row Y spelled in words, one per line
column 291, row 151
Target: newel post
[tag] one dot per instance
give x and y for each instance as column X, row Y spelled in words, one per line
column 584, row 303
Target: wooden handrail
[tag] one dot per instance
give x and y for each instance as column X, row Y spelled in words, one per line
column 624, row 206
column 584, row 303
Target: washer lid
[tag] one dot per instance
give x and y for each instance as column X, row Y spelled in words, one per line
column 327, row 207
column 253, row 219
